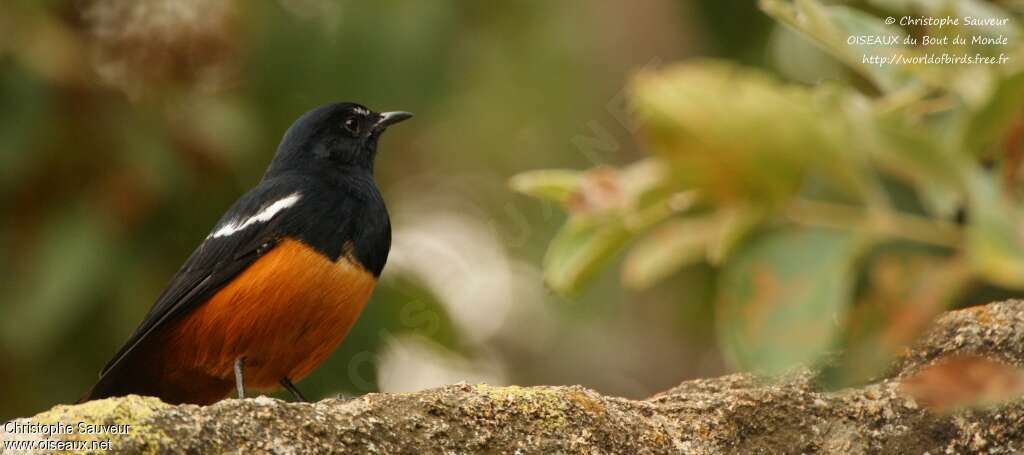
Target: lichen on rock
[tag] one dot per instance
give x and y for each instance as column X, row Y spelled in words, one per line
column 738, row 413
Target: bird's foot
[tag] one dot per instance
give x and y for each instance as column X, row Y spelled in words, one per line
column 239, row 379
column 287, row 384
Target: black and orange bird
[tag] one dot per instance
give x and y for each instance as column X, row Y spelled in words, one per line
column 278, row 282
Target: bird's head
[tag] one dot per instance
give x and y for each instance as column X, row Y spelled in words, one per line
column 339, row 135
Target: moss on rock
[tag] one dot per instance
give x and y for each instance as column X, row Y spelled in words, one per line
column 737, row 413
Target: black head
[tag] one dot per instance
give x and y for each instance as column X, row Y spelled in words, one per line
column 335, row 136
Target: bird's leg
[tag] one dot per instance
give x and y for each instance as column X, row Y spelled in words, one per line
column 287, row 383
column 239, row 380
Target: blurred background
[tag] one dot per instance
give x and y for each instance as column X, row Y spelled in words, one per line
column 128, row 127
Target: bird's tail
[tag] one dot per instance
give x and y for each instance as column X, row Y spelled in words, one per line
column 110, row 384
column 131, row 375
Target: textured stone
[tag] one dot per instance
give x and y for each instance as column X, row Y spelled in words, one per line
column 738, row 413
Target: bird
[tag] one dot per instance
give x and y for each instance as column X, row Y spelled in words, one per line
column 274, row 288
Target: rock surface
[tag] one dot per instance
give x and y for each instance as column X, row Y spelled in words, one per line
column 731, row 414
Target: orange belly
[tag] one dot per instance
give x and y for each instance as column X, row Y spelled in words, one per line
column 284, row 315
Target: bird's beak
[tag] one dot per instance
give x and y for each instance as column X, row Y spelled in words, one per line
column 390, row 118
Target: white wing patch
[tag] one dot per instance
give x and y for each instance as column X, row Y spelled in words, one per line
column 264, row 215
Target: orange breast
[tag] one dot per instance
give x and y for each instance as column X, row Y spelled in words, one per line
column 285, row 314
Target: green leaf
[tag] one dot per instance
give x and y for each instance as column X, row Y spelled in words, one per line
column 668, row 248
column 979, row 9
column 737, row 224
column 600, row 190
column 647, row 181
column 554, row 185
column 905, row 291
column 1005, row 23
column 580, row 249
column 994, row 110
column 783, row 296
column 831, row 26
column 995, row 233
column 734, row 133
column 608, row 208
column 916, row 154
column 798, row 59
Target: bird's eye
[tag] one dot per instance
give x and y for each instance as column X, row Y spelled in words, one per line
column 352, row 125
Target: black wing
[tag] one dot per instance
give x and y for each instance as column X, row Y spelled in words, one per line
column 218, row 260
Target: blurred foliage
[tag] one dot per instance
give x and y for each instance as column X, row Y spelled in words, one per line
column 844, row 213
